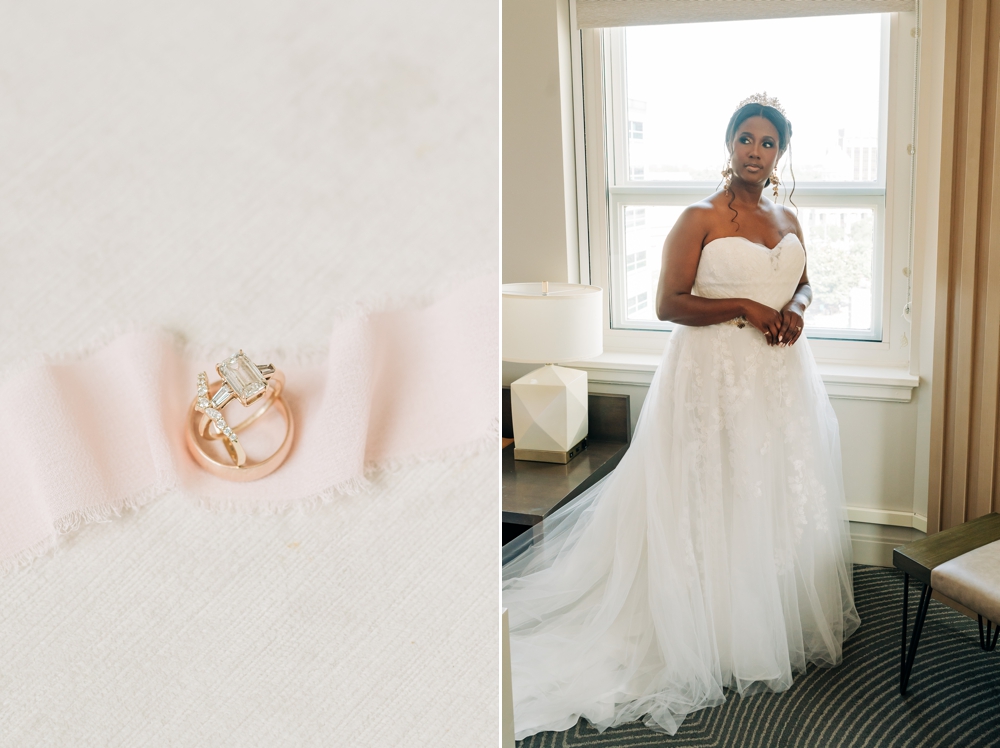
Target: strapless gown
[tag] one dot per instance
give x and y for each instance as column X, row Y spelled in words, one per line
column 717, row 555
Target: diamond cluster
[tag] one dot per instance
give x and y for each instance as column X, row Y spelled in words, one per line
column 205, row 406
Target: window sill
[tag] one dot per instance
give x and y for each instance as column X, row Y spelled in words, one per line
column 843, row 381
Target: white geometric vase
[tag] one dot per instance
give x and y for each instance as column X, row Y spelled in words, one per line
column 549, row 409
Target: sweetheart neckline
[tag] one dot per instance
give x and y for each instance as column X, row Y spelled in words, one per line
column 756, row 244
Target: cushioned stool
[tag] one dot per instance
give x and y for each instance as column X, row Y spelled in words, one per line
column 962, row 563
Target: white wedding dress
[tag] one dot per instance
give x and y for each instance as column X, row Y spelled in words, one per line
column 717, row 555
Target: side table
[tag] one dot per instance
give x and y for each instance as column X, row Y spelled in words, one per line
column 533, row 490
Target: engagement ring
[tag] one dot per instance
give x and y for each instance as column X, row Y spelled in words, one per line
column 241, row 380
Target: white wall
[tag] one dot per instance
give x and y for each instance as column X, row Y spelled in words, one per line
column 539, row 177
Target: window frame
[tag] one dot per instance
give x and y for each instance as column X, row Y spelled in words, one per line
column 600, row 199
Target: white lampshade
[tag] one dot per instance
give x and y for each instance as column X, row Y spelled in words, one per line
column 562, row 324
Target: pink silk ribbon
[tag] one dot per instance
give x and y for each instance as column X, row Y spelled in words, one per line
column 81, row 441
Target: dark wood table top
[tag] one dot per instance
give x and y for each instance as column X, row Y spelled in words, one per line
column 920, row 557
column 533, row 490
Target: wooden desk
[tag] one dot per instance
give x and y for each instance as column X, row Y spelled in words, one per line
column 533, row 490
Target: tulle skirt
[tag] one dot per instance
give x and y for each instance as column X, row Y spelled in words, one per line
column 716, row 556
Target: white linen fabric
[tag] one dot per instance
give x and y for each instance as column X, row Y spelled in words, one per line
column 244, row 175
column 717, row 555
column 174, row 626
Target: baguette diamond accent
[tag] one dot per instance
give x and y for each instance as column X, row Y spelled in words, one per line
column 204, row 406
column 221, row 397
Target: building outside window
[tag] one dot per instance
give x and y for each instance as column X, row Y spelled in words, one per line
column 635, row 217
column 638, row 303
column 636, row 261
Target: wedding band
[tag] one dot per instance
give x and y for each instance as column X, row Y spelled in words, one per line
column 246, row 471
column 203, row 404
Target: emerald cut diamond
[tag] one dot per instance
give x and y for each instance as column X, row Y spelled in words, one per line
column 243, row 377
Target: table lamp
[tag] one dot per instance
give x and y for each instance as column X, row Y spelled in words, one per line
column 549, row 323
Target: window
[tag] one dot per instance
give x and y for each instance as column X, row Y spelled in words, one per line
column 664, row 149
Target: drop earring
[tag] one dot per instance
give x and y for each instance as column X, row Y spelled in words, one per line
column 775, row 182
column 727, row 177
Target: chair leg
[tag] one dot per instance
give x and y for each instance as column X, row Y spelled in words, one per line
column 918, row 625
column 906, row 615
column 985, row 642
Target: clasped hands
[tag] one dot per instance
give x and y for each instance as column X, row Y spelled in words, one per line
column 780, row 328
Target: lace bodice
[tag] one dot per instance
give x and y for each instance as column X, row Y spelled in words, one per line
column 734, row 267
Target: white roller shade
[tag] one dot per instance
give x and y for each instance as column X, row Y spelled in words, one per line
column 602, row 13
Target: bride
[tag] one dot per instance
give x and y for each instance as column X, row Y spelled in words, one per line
column 717, row 555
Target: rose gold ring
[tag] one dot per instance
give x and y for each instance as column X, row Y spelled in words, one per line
column 206, row 425
column 212, row 423
column 241, row 380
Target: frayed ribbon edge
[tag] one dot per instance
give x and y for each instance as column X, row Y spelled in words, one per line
column 74, row 521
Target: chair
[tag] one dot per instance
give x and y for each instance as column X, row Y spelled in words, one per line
column 962, row 563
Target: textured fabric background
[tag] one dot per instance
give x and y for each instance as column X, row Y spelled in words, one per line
column 244, row 174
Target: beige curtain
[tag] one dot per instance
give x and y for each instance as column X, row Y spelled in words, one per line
column 965, row 417
column 602, row 13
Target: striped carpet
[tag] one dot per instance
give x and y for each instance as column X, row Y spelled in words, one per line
column 953, row 698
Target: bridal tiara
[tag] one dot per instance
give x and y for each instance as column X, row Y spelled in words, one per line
column 765, row 100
